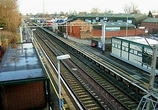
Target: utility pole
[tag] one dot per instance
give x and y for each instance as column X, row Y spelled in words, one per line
column 44, row 7
column 103, row 36
column 150, row 100
column 127, row 26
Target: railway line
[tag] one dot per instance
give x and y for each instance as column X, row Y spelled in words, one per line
column 114, row 97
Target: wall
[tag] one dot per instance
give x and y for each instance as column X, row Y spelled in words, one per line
column 152, row 27
column 23, row 96
column 109, row 34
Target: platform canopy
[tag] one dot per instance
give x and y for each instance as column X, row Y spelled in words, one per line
column 21, row 62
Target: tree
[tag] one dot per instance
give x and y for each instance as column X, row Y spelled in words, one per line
column 107, row 11
column 10, row 20
column 131, row 9
column 9, row 12
column 10, row 17
column 82, row 12
column 95, row 11
column 150, row 14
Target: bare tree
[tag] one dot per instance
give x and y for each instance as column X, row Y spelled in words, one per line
column 131, row 9
column 95, row 11
column 82, row 12
column 107, row 11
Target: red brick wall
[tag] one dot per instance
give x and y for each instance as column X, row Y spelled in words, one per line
column 150, row 27
column 23, row 96
column 140, row 31
column 134, row 32
column 75, row 32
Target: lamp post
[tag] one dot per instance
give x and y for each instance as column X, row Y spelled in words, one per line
column 149, row 101
column 32, row 33
column 61, row 57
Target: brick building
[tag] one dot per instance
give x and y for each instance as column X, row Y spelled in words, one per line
column 116, row 24
column 134, row 19
column 151, row 24
column 90, row 25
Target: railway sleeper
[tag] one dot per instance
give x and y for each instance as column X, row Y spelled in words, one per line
column 99, row 99
column 80, row 91
column 113, row 91
column 94, row 94
column 117, row 94
column 132, row 106
column 91, row 105
column 130, row 103
column 103, row 83
column 74, row 83
column 76, row 87
column 83, row 95
column 123, row 99
column 94, row 108
column 107, row 86
column 86, row 99
column 88, row 102
column 109, row 89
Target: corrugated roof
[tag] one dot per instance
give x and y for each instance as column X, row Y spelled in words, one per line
column 140, row 40
column 119, row 15
column 118, row 24
column 151, row 20
column 20, row 63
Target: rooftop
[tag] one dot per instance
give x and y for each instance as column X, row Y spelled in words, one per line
column 20, row 63
column 119, row 15
column 151, row 20
column 140, row 40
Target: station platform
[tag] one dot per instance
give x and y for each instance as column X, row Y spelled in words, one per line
column 133, row 71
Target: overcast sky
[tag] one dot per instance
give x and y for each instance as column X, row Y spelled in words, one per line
column 52, row 6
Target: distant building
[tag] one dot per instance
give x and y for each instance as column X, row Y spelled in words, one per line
column 151, row 24
column 134, row 50
column 134, row 19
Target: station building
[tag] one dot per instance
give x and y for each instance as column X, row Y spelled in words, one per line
column 90, row 25
column 23, row 80
column 134, row 19
column 134, row 50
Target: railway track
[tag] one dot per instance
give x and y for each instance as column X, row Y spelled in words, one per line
column 78, row 89
column 93, row 90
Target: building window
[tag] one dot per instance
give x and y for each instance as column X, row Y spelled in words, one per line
column 131, row 50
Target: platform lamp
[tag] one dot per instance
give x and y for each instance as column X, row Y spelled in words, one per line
column 32, row 33
column 0, row 37
column 59, row 58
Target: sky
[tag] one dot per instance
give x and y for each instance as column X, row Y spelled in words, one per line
column 52, row 6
